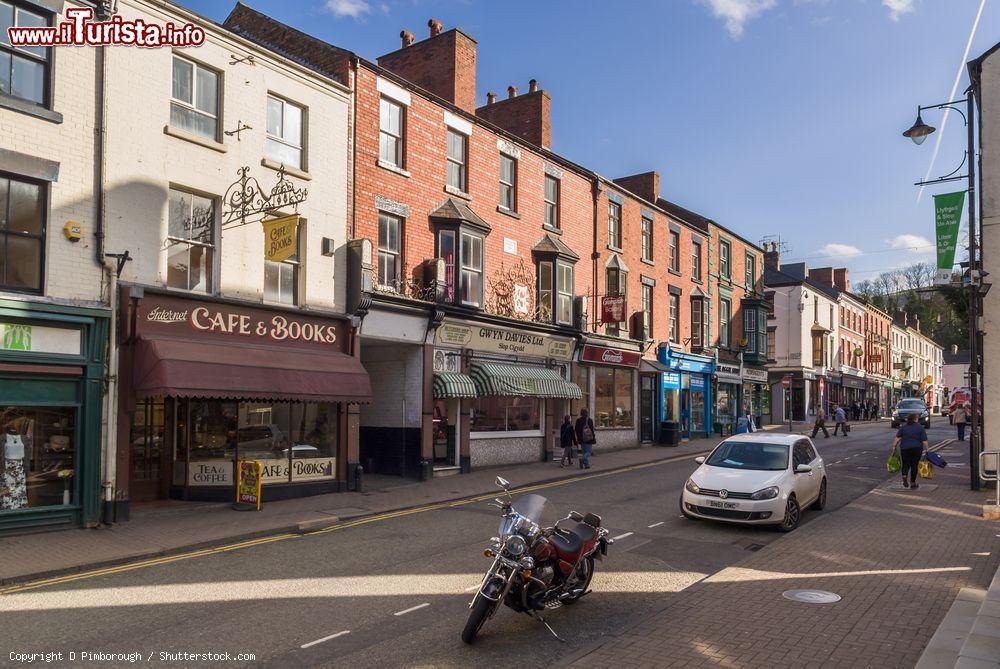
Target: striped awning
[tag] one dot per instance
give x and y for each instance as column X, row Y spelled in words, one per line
column 453, row 384
column 508, row 380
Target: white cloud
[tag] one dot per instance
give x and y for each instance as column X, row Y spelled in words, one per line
column 737, row 12
column 840, row 250
column 899, row 7
column 352, row 8
column 913, row 243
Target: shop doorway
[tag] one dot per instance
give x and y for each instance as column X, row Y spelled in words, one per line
column 446, row 419
column 647, row 399
column 149, row 451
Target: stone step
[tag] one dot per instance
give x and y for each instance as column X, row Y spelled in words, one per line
column 981, row 649
column 944, row 648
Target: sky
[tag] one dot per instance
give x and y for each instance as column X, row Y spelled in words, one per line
column 780, row 119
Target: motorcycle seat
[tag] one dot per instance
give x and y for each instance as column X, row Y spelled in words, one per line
column 569, row 543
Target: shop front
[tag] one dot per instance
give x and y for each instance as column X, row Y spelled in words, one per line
column 835, row 389
column 692, row 384
column 51, row 392
column 623, row 401
column 728, row 400
column 756, row 394
column 806, row 391
column 206, row 383
column 855, row 389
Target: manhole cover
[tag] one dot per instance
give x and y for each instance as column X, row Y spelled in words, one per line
column 811, row 596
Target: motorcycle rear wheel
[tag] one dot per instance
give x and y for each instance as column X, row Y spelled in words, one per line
column 481, row 610
column 588, row 574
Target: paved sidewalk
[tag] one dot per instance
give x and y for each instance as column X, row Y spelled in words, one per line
column 898, row 558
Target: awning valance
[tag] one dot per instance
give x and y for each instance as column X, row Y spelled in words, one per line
column 453, row 384
column 509, row 380
column 179, row 367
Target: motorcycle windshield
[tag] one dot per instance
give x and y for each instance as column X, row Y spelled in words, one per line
column 530, row 507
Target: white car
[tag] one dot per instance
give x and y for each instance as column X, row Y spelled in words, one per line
column 757, row 479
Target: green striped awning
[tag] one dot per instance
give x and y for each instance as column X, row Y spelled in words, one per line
column 507, row 380
column 453, row 384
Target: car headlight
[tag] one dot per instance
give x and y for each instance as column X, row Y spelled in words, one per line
column 692, row 487
column 516, row 545
column 766, row 493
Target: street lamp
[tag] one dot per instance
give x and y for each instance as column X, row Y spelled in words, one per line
column 918, row 132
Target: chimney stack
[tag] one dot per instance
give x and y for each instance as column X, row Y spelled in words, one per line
column 645, row 185
column 407, row 37
column 772, row 256
column 491, row 97
column 533, row 86
column 435, row 27
column 527, row 116
column 511, row 92
column 841, row 279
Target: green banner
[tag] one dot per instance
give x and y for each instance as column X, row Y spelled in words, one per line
column 947, row 216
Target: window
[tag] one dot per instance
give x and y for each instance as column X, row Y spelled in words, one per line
column 564, row 293
column 819, row 350
column 508, row 182
column 42, row 441
column 389, row 250
column 545, row 286
column 446, row 251
column 762, row 331
column 613, row 397
column 22, row 234
column 751, row 271
column 614, row 224
column 505, row 414
column 281, row 279
column 472, row 270
column 675, row 256
column 284, row 132
column 25, row 70
column 647, row 310
column 390, row 132
column 616, row 282
column 770, row 345
column 750, row 328
column 696, row 260
column 551, row 201
column 457, row 160
column 581, row 377
column 697, row 323
column 769, row 298
column 725, row 315
column 194, row 101
column 725, row 268
column 647, row 239
column 190, row 241
column 675, row 308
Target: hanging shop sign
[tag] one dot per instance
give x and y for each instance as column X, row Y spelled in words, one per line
column 755, row 375
column 493, row 339
column 39, row 339
column 281, row 238
column 947, row 217
column 245, row 201
column 610, row 356
column 613, row 309
column 248, row 480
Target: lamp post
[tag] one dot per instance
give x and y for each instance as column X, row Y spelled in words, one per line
column 918, row 132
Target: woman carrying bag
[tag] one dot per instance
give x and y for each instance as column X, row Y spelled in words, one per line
column 911, row 439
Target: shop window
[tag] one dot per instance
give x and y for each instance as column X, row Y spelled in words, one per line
column 39, row 456
column 508, row 182
column 190, row 241
column 647, row 239
column 285, row 136
column 22, row 234
column 390, row 237
column 391, row 126
column 675, row 253
column 472, row 270
column 457, row 160
column 581, row 377
column 725, row 266
column 506, row 414
column 24, row 71
column 551, row 201
column 613, row 397
column 725, row 324
column 614, row 224
column 696, row 260
column 194, row 103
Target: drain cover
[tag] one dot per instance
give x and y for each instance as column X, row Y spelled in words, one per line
column 811, row 596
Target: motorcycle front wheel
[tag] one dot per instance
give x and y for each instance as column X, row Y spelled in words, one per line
column 481, row 610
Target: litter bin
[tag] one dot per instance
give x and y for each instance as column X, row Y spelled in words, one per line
column 670, row 434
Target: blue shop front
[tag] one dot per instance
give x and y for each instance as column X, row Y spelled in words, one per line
column 685, row 391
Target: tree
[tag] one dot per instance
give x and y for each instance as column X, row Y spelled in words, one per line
column 916, row 276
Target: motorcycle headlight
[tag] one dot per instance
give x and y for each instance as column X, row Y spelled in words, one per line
column 527, row 563
column 692, row 487
column 516, row 545
column 766, row 493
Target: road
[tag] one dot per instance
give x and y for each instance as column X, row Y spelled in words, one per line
column 394, row 592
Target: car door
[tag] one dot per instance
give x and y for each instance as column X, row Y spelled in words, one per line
column 806, row 485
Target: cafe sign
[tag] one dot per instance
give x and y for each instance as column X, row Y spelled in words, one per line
column 281, row 238
column 493, row 339
column 610, row 356
column 613, row 309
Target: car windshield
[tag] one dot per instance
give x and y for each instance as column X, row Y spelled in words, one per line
column 757, row 456
column 911, row 405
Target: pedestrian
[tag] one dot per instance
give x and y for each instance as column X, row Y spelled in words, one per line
column 568, row 441
column 960, row 416
column 841, row 417
column 912, row 442
column 875, row 411
column 820, row 424
column 586, row 437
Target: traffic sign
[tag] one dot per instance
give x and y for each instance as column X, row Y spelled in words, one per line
column 786, row 382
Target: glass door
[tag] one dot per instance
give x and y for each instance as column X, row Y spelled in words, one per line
column 148, row 451
column 646, row 404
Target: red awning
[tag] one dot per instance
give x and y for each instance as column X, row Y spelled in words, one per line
column 173, row 367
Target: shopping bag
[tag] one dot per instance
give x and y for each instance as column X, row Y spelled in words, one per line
column 925, row 470
column 893, row 464
column 936, row 459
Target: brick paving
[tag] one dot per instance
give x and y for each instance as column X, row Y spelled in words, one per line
column 898, row 559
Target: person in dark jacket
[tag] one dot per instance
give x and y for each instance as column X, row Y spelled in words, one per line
column 912, row 442
column 586, row 437
column 568, row 441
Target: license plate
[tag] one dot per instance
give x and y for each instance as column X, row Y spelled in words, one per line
column 722, row 505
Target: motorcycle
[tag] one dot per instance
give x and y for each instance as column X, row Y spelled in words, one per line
column 534, row 568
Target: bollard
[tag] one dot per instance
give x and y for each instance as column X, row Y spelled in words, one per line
column 359, row 478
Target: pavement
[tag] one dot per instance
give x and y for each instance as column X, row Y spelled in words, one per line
column 897, row 559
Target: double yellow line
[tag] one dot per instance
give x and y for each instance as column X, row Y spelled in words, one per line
column 142, row 564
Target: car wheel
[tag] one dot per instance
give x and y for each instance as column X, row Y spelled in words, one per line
column 821, row 500
column 793, row 514
column 684, row 511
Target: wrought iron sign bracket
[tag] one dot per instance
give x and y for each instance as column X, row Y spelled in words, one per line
column 246, row 202
column 240, row 127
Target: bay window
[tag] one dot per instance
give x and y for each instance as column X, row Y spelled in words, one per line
column 471, row 286
column 555, row 292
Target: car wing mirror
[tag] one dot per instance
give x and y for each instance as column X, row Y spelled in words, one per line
column 700, row 459
column 803, row 469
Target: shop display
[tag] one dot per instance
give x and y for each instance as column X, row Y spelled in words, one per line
column 13, row 488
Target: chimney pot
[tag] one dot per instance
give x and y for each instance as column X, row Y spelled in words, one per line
column 491, row 97
column 511, row 92
column 435, row 27
column 533, row 86
column 407, row 37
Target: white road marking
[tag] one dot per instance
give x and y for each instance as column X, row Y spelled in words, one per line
column 981, row 554
column 655, row 524
column 622, row 536
column 472, row 587
column 412, row 609
column 326, row 638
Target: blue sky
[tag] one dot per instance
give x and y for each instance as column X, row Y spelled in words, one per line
column 774, row 117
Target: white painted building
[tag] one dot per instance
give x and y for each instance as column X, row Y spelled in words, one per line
column 918, row 363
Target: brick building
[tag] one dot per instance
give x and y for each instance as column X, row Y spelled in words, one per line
column 878, row 358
